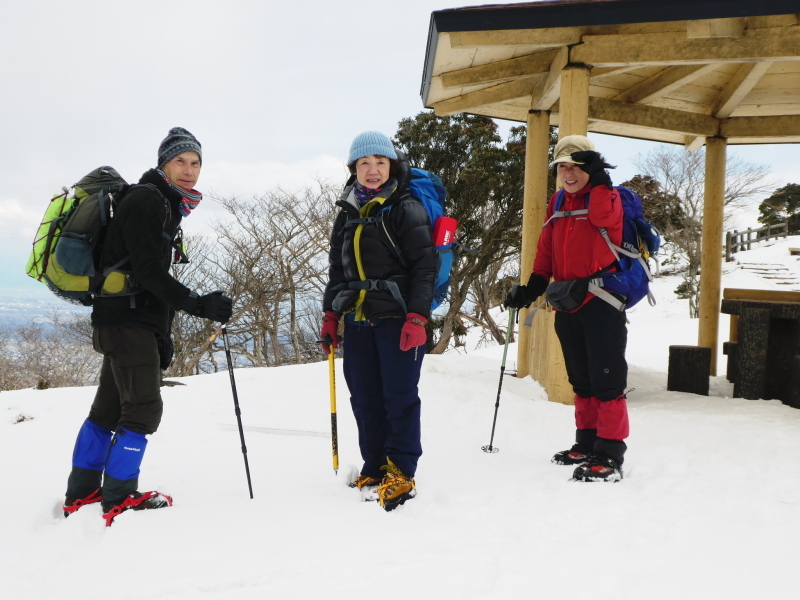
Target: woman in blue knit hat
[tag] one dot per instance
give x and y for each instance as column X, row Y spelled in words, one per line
column 381, row 279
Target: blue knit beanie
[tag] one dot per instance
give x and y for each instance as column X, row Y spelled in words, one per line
column 371, row 142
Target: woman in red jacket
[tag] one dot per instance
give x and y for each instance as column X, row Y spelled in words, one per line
column 592, row 332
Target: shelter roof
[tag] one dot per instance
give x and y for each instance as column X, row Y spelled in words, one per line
column 674, row 71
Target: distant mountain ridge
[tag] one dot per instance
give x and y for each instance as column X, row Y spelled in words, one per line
column 19, row 306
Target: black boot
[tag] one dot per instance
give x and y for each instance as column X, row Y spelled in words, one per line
column 599, row 468
column 605, row 463
column 581, row 450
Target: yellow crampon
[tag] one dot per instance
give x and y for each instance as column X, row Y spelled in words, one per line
column 395, row 488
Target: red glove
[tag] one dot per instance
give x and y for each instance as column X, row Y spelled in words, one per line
column 330, row 331
column 413, row 333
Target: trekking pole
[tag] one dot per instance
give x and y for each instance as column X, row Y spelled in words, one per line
column 493, row 449
column 334, row 425
column 236, row 405
column 332, row 382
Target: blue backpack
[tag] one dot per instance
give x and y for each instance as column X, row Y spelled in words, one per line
column 640, row 241
column 430, row 191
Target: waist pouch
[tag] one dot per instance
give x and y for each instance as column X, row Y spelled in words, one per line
column 570, row 294
column 567, row 295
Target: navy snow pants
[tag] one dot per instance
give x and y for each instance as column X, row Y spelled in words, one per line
column 382, row 380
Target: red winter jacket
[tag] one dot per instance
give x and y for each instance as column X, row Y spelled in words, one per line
column 572, row 247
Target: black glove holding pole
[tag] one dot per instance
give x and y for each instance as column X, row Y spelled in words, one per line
column 522, row 296
column 595, row 166
column 214, row 306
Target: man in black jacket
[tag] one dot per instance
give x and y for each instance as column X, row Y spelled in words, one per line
column 132, row 331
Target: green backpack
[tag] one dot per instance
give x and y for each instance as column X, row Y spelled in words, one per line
column 66, row 249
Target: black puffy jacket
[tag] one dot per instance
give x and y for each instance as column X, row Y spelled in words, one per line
column 137, row 230
column 364, row 251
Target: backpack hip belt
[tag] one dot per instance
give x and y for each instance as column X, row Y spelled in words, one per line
column 376, row 285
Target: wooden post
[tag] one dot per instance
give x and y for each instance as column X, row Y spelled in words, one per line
column 534, row 208
column 574, row 103
column 711, row 259
column 728, row 257
column 794, row 381
column 688, row 369
column 731, row 350
column 546, row 361
column 751, row 367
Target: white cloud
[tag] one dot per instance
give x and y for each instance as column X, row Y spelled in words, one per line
column 17, row 223
column 246, row 179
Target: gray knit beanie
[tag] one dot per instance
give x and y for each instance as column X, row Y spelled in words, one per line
column 371, row 142
column 178, row 140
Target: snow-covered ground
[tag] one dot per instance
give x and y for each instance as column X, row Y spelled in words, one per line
column 709, row 507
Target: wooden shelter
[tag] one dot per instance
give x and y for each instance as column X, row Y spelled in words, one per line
column 689, row 72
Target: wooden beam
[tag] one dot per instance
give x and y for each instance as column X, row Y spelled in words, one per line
column 602, row 109
column 598, row 72
column 764, row 295
column 502, row 70
column 743, row 81
column 518, row 88
column 768, row 21
column 674, row 48
column 694, row 143
column 715, row 28
column 548, row 90
column 554, row 36
column 743, row 127
column 661, row 84
column 711, row 252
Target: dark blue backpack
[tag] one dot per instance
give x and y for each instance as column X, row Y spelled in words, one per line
column 640, row 241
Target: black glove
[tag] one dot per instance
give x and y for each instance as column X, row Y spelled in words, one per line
column 595, row 166
column 212, row 306
column 523, row 295
column 165, row 352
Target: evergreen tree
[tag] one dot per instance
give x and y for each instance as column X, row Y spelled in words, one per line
column 782, row 206
column 484, row 180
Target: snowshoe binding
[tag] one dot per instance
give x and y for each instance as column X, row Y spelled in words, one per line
column 136, row 501
column 395, row 488
column 599, row 468
column 71, row 505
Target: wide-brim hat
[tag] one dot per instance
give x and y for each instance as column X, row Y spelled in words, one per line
column 569, row 144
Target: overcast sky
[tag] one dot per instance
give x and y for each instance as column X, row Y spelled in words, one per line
column 274, row 90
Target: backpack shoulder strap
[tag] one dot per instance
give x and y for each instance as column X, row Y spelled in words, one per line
column 557, row 212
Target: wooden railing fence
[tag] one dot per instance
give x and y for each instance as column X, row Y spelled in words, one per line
column 736, row 240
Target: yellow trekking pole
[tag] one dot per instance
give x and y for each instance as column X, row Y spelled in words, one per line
column 334, row 428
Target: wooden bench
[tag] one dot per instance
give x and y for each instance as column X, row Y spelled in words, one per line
column 794, row 251
column 764, row 344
